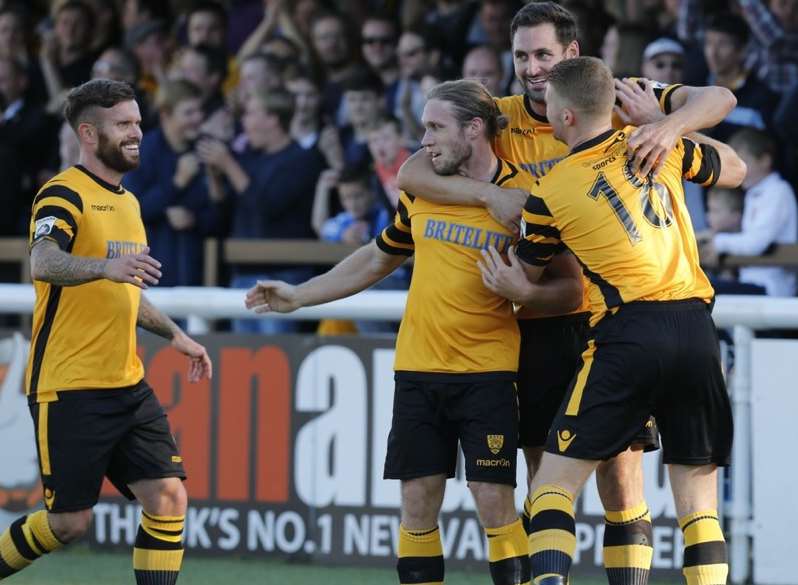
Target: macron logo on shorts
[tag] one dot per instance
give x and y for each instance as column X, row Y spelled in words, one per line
column 564, row 439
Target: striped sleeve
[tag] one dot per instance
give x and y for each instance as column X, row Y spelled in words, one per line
column 700, row 162
column 397, row 238
column 56, row 213
column 540, row 238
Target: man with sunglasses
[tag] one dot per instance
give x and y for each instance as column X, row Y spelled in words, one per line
column 378, row 45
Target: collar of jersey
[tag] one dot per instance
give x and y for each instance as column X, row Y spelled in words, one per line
column 116, row 189
column 593, row 141
column 531, row 112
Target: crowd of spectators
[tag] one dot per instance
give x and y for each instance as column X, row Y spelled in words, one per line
column 275, row 119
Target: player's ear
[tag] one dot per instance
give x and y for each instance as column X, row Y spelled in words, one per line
column 475, row 128
column 572, row 50
column 87, row 132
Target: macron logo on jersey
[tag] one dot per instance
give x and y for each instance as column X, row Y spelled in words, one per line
column 116, row 248
column 465, row 235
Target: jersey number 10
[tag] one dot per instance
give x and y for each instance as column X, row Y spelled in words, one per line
column 655, row 201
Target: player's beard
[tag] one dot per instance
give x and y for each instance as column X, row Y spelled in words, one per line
column 112, row 155
column 537, row 96
column 451, row 164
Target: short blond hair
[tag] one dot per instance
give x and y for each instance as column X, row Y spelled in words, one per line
column 586, row 83
column 173, row 91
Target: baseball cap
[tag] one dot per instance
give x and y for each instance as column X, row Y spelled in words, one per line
column 660, row 46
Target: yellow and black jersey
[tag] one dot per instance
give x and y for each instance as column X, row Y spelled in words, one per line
column 452, row 323
column 529, row 142
column 84, row 336
column 632, row 236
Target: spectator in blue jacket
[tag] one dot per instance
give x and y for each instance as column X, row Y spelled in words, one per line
column 170, row 183
column 272, row 184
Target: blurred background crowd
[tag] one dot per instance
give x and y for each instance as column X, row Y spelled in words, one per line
column 275, row 119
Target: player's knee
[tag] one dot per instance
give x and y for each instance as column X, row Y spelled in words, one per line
column 420, row 503
column 495, row 503
column 71, row 526
column 618, row 484
column 174, row 497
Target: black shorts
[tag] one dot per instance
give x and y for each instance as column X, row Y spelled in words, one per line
column 433, row 412
column 551, row 351
column 85, row 435
column 657, row 358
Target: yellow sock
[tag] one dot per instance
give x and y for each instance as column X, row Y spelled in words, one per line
column 508, row 553
column 704, row 549
column 420, row 557
column 24, row 541
column 627, row 546
column 158, row 552
column 552, row 543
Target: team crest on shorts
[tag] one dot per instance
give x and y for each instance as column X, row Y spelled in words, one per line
column 564, row 439
column 495, row 443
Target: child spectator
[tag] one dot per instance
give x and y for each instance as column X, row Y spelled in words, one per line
column 361, row 220
column 769, row 215
column 362, row 217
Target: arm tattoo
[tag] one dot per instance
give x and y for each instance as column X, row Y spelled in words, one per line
column 154, row 321
column 51, row 264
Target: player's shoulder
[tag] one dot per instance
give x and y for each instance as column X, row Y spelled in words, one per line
column 65, row 186
column 513, row 176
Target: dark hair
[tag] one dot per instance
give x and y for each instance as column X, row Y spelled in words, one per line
column 355, row 174
column 381, row 16
column 208, row 6
column 536, row 13
column 470, row 99
column 304, row 72
column 79, row 5
column 363, row 80
column 757, row 142
column 385, row 120
column 215, row 59
column 586, row 83
column 97, row 93
column 730, row 24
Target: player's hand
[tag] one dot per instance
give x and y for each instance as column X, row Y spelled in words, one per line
column 272, row 296
column 200, row 365
column 140, row 270
column 650, row 145
column 505, row 206
column 506, row 280
column 639, row 105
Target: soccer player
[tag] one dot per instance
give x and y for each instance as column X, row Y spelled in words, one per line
column 543, row 34
column 457, row 348
column 652, row 348
column 93, row 413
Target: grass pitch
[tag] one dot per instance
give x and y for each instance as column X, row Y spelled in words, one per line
column 81, row 566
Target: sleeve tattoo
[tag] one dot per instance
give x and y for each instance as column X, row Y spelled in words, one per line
column 153, row 320
column 51, row 264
